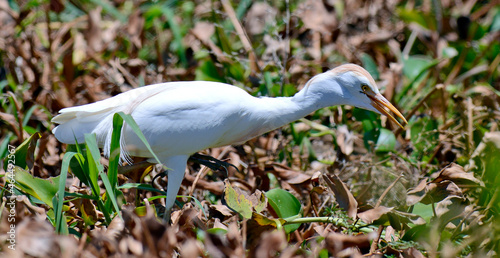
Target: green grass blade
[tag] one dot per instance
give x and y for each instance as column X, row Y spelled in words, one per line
column 131, row 122
column 94, row 166
column 114, row 159
column 94, row 170
column 111, row 193
column 58, row 201
column 146, row 187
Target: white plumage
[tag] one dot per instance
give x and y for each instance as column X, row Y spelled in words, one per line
column 180, row 118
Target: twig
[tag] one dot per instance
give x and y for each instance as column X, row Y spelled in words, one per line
column 379, row 201
column 470, row 121
column 374, row 245
column 242, row 35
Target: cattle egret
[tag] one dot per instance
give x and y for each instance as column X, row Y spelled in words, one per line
column 181, row 118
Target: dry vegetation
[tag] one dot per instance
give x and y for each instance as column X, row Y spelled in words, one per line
column 350, row 183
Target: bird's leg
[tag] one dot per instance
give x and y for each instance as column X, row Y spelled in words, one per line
column 176, row 168
column 212, row 163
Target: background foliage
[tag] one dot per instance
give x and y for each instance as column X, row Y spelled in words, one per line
column 341, row 182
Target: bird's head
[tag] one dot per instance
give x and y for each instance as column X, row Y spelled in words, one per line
column 351, row 84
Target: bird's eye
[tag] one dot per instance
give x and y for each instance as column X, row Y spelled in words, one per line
column 365, row 87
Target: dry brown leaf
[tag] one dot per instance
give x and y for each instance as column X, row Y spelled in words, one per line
column 457, row 174
column 94, row 33
column 345, row 140
column 271, row 243
column 450, row 207
column 317, row 17
column 289, row 175
column 190, row 249
column 222, row 209
column 336, row 242
column 203, row 31
column 260, row 14
column 36, row 238
column 412, row 252
column 374, row 214
column 344, row 197
column 417, row 194
column 134, row 28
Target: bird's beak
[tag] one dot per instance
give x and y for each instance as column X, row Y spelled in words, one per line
column 379, row 102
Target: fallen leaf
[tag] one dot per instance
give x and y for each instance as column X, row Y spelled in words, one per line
column 336, row 242
column 345, row 140
column 317, row 17
column 374, row 214
column 344, row 197
column 457, row 174
column 237, row 201
column 416, row 194
column 94, row 32
column 258, row 16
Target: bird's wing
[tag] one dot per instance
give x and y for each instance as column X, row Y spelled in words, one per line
column 74, row 122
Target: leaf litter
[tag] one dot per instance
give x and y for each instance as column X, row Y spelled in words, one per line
column 428, row 191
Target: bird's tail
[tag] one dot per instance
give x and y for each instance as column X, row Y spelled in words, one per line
column 75, row 123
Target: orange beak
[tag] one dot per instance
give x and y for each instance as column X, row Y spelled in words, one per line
column 379, row 102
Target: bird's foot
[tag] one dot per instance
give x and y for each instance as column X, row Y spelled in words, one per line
column 212, row 163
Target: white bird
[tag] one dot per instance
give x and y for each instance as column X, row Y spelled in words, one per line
column 179, row 119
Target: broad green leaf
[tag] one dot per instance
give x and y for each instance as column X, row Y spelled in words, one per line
column 415, row 66
column 42, row 189
column 285, row 205
column 386, row 141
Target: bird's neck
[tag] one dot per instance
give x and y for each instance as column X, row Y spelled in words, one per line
column 277, row 112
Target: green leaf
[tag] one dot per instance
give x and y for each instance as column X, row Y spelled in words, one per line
column 386, row 141
column 449, row 52
column 58, row 200
column 146, row 187
column 42, row 189
column 423, row 210
column 285, row 205
column 24, row 153
column 114, row 159
column 94, row 166
column 131, row 122
column 415, row 66
column 208, row 72
column 237, row 202
column 370, row 66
